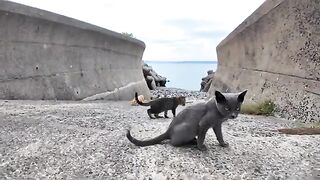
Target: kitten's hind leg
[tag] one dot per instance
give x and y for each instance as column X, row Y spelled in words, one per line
column 193, row 141
column 173, row 112
column 166, row 114
column 149, row 111
column 157, row 116
column 182, row 135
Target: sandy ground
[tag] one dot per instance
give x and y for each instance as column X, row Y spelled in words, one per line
column 74, row 140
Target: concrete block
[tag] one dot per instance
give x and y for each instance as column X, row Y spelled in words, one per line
column 48, row 56
column 274, row 54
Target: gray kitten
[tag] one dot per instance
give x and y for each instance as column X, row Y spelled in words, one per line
column 191, row 124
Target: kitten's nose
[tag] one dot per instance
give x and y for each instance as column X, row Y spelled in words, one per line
column 233, row 116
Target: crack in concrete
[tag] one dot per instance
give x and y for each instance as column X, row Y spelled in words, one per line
column 65, row 45
column 314, row 93
column 40, row 76
column 282, row 74
column 50, row 75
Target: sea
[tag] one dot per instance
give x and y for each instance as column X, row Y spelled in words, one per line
column 183, row 74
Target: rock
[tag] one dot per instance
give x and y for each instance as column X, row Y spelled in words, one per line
column 152, row 78
column 206, row 81
column 150, row 82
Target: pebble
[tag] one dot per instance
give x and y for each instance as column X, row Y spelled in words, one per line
column 171, row 92
column 73, row 142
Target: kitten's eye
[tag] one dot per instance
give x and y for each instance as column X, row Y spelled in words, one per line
column 227, row 109
column 238, row 109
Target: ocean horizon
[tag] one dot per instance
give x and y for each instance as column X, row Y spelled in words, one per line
column 183, row 74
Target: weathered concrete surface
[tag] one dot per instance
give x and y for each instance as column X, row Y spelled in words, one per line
column 74, row 140
column 48, row 56
column 274, row 54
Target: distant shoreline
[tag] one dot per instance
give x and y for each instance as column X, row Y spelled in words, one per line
column 202, row 62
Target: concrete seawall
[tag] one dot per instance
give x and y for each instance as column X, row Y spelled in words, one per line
column 48, row 56
column 274, row 54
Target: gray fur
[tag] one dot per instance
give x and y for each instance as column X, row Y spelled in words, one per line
column 194, row 121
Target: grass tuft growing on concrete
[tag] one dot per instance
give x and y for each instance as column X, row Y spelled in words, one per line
column 308, row 125
column 265, row 108
column 315, row 125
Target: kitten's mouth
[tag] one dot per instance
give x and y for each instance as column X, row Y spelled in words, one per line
column 233, row 117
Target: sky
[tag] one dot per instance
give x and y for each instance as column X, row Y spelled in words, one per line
column 173, row 30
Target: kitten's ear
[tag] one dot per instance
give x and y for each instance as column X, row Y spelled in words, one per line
column 219, row 97
column 241, row 96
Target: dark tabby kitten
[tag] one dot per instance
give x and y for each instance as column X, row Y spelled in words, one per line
column 191, row 124
column 162, row 105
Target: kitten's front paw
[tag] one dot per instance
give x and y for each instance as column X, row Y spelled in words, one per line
column 202, row 147
column 224, row 144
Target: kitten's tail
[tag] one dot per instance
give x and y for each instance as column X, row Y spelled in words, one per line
column 149, row 142
column 139, row 102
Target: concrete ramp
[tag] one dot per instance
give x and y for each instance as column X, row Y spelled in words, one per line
column 48, row 56
column 274, row 54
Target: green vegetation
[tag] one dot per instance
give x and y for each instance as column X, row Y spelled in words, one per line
column 308, row 125
column 127, row 34
column 315, row 125
column 265, row 108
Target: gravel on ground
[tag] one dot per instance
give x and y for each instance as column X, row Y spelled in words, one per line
column 74, row 140
column 170, row 92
